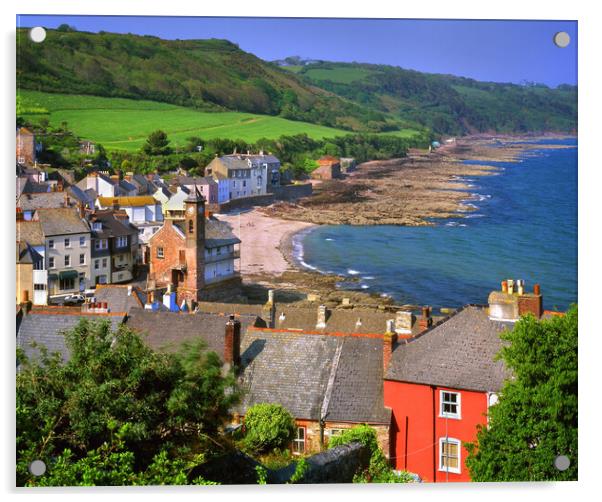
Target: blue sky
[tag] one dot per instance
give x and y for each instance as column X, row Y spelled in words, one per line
column 499, row 51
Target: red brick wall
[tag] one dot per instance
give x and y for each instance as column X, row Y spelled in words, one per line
column 416, row 416
column 171, row 241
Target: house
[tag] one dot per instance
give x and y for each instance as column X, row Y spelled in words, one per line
column 26, row 146
column 440, row 384
column 32, row 276
column 329, row 168
column 29, row 203
column 120, row 297
column 114, row 247
column 105, row 185
column 140, row 208
column 206, row 185
column 248, row 174
column 175, row 206
column 67, row 250
column 195, row 256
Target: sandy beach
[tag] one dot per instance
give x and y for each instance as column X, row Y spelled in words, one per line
column 262, row 238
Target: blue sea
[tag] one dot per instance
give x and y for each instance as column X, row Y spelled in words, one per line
column 524, row 227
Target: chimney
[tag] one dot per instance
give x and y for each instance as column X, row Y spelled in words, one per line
column 115, row 204
column 404, row 321
column 59, row 186
column 504, row 286
column 510, row 305
column 67, row 200
column 269, row 310
column 129, row 290
column 232, row 343
column 322, row 313
column 19, row 214
column 426, row 321
column 389, row 341
column 25, row 296
column 531, row 303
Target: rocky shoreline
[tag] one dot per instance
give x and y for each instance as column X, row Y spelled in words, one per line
column 409, row 191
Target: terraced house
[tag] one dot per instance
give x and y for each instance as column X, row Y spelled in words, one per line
column 67, row 242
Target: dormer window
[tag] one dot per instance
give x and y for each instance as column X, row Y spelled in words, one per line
column 97, row 226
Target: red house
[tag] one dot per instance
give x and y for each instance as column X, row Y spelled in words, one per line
column 440, row 384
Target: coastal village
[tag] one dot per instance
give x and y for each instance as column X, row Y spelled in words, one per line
column 163, row 257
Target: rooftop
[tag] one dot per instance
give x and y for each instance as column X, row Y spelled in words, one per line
column 134, row 201
column 30, row 232
column 61, row 221
column 458, row 353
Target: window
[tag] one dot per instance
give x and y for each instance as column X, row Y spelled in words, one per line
column 101, row 244
column 67, row 260
column 82, row 241
column 190, row 226
column 50, row 244
column 450, row 404
column 244, row 183
column 449, row 455
column 67, row 283
column 39, row 287
column 97, row 226
column 122, row 241
column 335, row 432
column 160, row 253
column 67, row 242
column 96, row 264
column 38, row 265
column 299, row 440
column 104, row 263
column 51, row 262
column 82, row 259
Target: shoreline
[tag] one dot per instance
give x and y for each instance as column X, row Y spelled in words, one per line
column 269, row 258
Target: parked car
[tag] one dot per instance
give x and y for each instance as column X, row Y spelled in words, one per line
column 74, row 299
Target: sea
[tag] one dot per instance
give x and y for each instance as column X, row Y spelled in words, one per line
column 523, row 226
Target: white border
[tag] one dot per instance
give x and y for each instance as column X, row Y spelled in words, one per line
column 448, row 469
column 590, row 179
column 453, row 416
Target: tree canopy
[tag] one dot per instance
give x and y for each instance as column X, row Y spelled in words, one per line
column 535, row 420
column 156, row 144
column 118, row 403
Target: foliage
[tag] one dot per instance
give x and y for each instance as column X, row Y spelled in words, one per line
column 161, row 404
column 262, row 475
column 535, row 419
column 300, row 470
column 156, row 144
column 379, row 470
column 210, row 75
column 448, row 104
column 268, row 426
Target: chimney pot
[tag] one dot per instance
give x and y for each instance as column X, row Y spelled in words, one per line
column 520, row 285
column 536, row 289
column 389, row 340
column 271, row 296
column 426, row 321
column 321, row 317
column 404, row 321
column 504, row 286
column 511, row 286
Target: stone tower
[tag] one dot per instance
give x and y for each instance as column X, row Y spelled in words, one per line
column 194, row 251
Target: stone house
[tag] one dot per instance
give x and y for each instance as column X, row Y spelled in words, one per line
column 195, row 256
column 105, row 185
column 26, row 147
column 329, row 168
column 32, row 277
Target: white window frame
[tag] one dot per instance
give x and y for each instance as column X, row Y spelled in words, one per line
column 82, row 241
column 122, row 241
column 160, row 253
column 458, row 403
column 51, row 262
column 67, row 242
column 82, row 259
column 67, row 260
column 299, row 441
column 457, row 442
column 50, row 243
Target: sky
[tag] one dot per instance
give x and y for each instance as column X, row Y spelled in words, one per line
column 498, row 51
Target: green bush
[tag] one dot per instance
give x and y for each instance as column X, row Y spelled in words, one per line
column 379, row 470
column 268, row 426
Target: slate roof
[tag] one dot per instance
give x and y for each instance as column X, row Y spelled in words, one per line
column 458, row 353
column 127, row 186
column 337, row 320
column 46, row 200
column 45, row 329
column 61, row 221
column 218, row 233
column 82, row 195
column 27, row 254
column 312, row 376
column 229, row 308
column 21, row 182
column 166, row 331
column 194, row 180
column 111, row 226
column 30, row 232
column 117, row 297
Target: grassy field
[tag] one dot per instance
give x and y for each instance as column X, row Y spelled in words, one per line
column 124, row 124
column 340, row 75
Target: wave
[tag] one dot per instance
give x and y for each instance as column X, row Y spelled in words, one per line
column 328, row 239
column 364, row 286
column 368, row 277
column 353, row 272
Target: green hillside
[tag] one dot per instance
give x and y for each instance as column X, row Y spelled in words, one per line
column 119, row 123
column 208, row 75
column 448, row 104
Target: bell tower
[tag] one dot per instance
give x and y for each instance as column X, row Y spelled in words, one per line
column 194, row 252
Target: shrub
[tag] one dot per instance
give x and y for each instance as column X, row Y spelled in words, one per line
column 379, row 470
column 268, row 426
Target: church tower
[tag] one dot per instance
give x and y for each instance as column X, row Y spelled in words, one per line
column 194, row 251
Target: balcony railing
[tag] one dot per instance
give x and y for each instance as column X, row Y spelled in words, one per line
column 224, row 256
